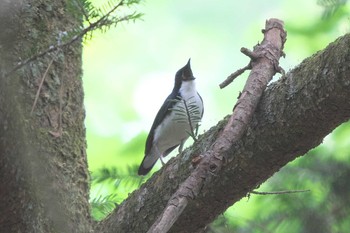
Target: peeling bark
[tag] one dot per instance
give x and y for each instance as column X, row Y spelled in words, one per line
column 264, row 64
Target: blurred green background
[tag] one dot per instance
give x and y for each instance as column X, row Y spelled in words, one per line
column 129, row 70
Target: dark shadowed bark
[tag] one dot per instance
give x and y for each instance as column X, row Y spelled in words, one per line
column 43, row 170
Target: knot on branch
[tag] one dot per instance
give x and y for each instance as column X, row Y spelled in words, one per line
column 196, row 160
column 270, row 52
column 215, row 163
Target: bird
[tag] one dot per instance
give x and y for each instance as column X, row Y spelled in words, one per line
column 168, row 131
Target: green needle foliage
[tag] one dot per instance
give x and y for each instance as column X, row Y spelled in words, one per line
column 118, row 183
column 102, row 206
column 330, row 6
column 129, row 176
column 108, row 15
column 114, row 184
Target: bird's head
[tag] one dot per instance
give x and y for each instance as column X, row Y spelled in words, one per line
column 185, row 73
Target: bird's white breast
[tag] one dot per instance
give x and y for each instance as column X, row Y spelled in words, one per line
column 174, row 128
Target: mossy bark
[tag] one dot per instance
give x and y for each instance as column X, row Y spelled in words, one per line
column 44, row 181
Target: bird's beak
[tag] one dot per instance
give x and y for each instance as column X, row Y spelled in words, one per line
column 187, row 72
column 189, row 63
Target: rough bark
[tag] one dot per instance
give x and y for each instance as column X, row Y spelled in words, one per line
column 293, row 116
column 43, row 169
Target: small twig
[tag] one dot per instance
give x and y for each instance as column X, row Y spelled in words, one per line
column 249, row 53
column 40, row 86
column 253, row 56
column 280, row 192
column 234, row 75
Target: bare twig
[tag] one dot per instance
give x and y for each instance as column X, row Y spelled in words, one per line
column 280, row 192
column 252, row 55
column 40, row 86
column 234, row 75
column 263, row 69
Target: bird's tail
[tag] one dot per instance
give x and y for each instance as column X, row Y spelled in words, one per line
column 147, row 163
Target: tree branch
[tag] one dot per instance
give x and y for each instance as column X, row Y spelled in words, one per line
column 292, row 117
column 79, row 35
column 234, row 75
column 263, row 69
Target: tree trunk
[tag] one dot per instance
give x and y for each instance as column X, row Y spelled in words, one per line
column 44, row 182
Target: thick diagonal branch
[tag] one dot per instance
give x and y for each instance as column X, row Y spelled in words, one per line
column 292, row 117
column 263, row 68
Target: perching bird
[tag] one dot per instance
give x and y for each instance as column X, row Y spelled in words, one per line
column 168, row 130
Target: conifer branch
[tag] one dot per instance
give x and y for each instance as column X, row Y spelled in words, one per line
column 101, row 23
